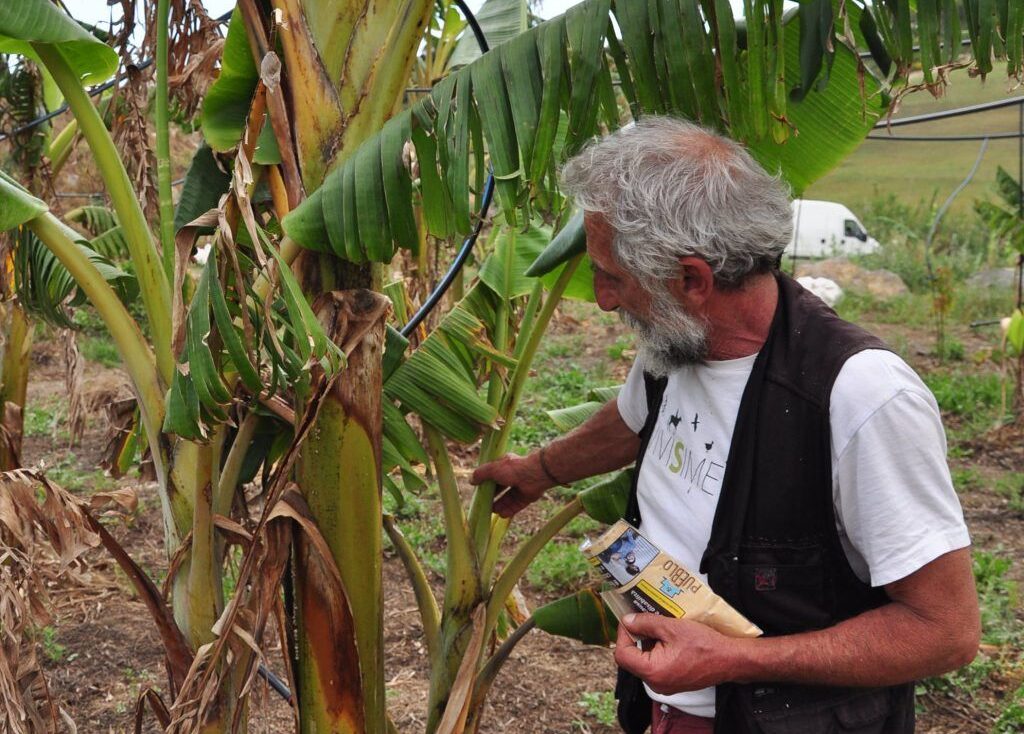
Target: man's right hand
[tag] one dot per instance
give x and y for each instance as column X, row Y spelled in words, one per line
column 523, row 477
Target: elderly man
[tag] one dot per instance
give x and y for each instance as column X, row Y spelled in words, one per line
column 786, row 454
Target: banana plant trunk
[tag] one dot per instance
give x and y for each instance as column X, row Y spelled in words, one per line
column 340, row 641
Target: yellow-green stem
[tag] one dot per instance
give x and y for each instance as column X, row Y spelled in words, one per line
column 14, row 377
column 61, row 147
column 461, row 590
column 135, row 353
column 480, row 511
column 340, row 641
column 516, row 567
column 233, row 464
column 499, row 525
column 204, row 592
column 430, row 615
column 163, row 141
column 153, row 283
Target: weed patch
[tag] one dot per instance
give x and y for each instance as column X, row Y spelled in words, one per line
column 100, row 349
column 558, row 567
column 556, row 384
column 599, row 705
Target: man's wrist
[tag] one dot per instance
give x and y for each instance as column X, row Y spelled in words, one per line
column 545, row 468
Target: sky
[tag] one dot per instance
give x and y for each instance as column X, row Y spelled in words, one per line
column 96, row 11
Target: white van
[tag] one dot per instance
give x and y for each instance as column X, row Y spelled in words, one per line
column 827, row 229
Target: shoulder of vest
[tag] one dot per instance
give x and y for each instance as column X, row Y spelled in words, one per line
column 811, row 344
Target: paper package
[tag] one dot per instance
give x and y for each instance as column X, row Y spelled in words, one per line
column 649, row 580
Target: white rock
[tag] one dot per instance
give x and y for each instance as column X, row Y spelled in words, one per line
column 202, row 253
column 824, row 288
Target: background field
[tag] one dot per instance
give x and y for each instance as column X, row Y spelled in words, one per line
column 914, row 171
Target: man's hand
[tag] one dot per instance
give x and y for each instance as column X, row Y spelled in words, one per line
column 521, row 475
column 686, row 656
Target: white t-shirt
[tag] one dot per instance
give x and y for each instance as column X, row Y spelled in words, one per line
column 896, row 509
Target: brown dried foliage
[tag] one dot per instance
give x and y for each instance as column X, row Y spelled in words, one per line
column 194, row 47
column 73, row 374
column 42, row 539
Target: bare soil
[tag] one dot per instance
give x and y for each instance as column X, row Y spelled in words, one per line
column 106, row 652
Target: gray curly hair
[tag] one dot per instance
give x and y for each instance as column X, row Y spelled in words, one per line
column 671, row 189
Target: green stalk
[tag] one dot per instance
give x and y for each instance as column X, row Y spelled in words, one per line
column 233, row 464
column 460, row 590
column 135, row 353
column 14, row 383
column 483, row 498
column 529, row 314
column 485, row 678
column 61, row 147
column 535, row 334
column 203, row 595
column 153, row 284
column 462, row 585
column 516, row 567
column 430, row 615
column 499, row 525
column 163, row 141
column 531, row 334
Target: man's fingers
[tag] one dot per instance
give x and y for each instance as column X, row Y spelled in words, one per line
column 509, row 502
column 482, row 473
column 628, row 655
column 652, row 626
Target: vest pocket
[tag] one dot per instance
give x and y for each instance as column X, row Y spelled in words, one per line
column 866, row 711
column 782, row 587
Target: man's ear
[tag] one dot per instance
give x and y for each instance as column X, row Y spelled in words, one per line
column 694, row 282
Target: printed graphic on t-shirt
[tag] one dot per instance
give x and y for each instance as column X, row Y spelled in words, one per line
column 686, row 451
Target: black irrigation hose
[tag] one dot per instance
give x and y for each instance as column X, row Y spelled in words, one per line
column 467, row 246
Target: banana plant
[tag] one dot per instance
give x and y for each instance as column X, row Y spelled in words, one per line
column 320, row 198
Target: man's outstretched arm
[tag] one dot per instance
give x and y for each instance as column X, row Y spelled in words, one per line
column 600, row 445
column 931, row 626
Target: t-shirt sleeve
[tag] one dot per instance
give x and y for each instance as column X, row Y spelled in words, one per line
column 894, row 498
column 632, row 399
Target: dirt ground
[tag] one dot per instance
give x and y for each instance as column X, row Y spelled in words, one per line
column 105, row 651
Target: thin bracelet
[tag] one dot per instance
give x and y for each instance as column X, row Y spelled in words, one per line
column 547, row 471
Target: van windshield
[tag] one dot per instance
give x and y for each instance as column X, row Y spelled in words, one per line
column 852, row 229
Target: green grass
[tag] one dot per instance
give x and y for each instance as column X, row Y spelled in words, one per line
column 966, row 479
column 999, row 598
column 67, row 474
column 599, row 705
column 1011, row 486
column 53, row 650
column 45, row 420
column 554, row 383
column 100, row 349
column 910, row 309
column 963, row 394
column 559, row 567
column 1011, row 720
column 913, row 171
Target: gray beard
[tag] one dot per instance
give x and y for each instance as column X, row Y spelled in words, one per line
column 673, row 340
